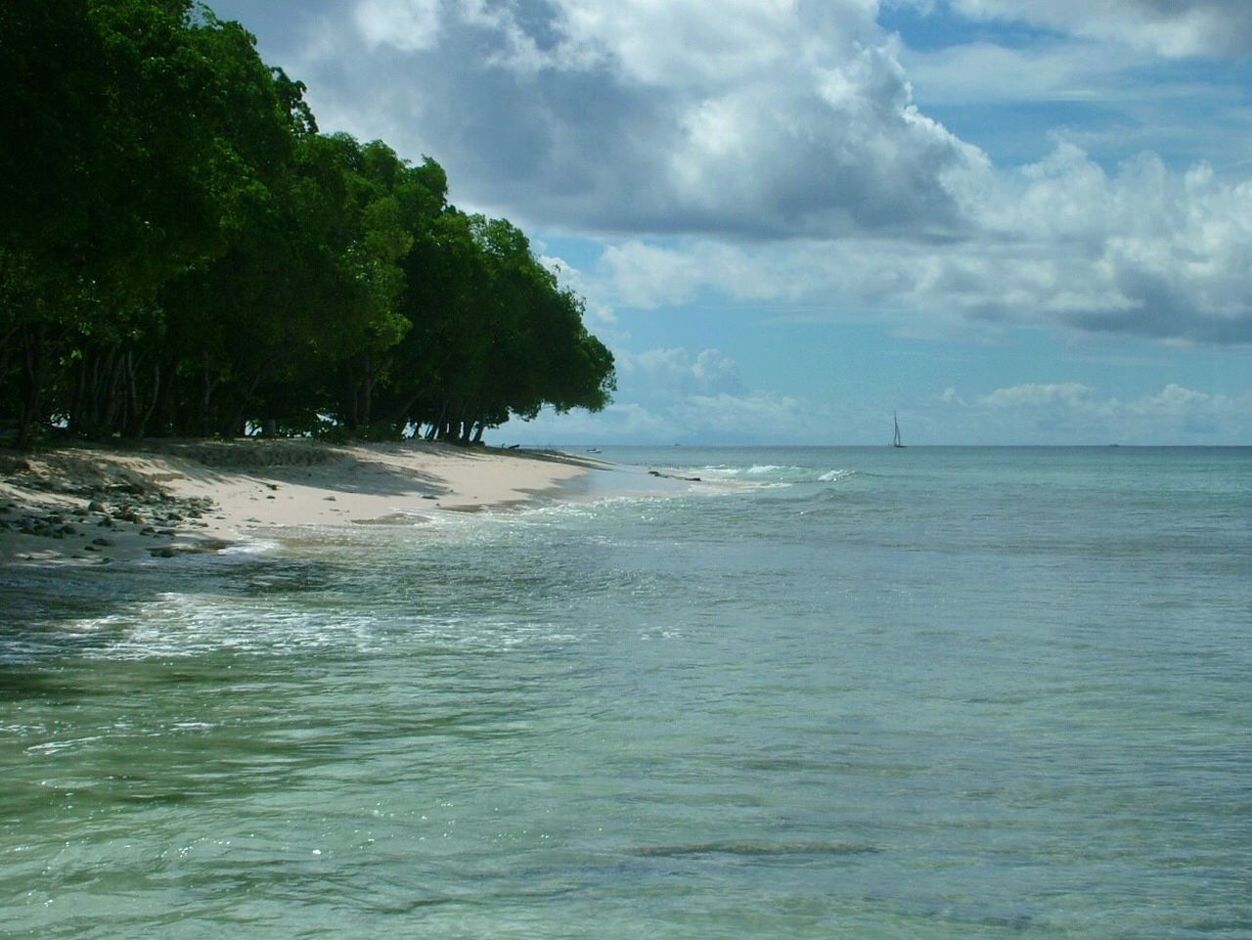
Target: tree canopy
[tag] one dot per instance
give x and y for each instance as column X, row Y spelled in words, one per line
column 182, row 252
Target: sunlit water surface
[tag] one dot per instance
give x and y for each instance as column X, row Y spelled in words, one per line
column 820, row 693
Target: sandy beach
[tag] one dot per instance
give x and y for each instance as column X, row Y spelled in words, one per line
column 89, row 505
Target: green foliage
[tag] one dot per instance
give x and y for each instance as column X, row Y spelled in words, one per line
column 181, row 252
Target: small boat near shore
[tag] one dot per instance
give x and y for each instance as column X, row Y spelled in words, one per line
column 895, row 440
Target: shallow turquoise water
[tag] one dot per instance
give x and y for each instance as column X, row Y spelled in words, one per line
column 821, row 693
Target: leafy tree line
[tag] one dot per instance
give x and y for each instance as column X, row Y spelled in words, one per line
column 183, row 253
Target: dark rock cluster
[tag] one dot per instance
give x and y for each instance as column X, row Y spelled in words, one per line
column 111, row 510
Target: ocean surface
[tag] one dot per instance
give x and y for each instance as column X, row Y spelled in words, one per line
column 822, row 692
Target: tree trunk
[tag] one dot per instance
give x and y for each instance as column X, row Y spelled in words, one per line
column 34, row 370
column 367, row 395
column 437, row 426
column 206, row 398
column 130, row 426
column 238, row 426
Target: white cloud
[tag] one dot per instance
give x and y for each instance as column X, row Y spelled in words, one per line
column 765, row 119
column 770, row 153
column 1172, row 28
column 983, row 71
column 1072, row 394
column 1141, row 251
column 672, row 372
column 598, row 315
column 668, row 394
column 1057, row 413
column 410, row 25
column 647, row 276
column 1177, row 400
column 1075, row 413
column 754, row 417
column 715, row 371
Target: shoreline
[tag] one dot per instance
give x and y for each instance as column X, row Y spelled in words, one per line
column 91, row 505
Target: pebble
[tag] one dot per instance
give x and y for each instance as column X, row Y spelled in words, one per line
column 57, row 522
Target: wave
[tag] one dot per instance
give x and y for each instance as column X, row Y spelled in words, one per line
column 759, row 475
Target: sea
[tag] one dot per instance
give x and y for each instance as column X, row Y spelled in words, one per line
column 763, row 693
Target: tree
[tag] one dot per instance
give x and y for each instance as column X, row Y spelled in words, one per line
column 182, row 252
column 494, row 334
column 53, row 94
column 155, row 132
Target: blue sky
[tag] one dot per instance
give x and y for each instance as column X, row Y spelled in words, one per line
column 1011, row 221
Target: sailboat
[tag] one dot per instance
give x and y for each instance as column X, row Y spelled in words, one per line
column 895, row 441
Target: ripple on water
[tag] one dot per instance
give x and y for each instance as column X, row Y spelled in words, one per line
column 946, row 701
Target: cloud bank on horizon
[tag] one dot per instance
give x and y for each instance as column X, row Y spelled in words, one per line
column 781, row 154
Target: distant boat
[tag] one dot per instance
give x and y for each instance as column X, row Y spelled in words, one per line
column 895, row 441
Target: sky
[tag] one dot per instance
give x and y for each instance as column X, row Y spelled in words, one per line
column 1008, row 221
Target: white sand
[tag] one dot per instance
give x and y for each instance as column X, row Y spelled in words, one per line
column 173, row 497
